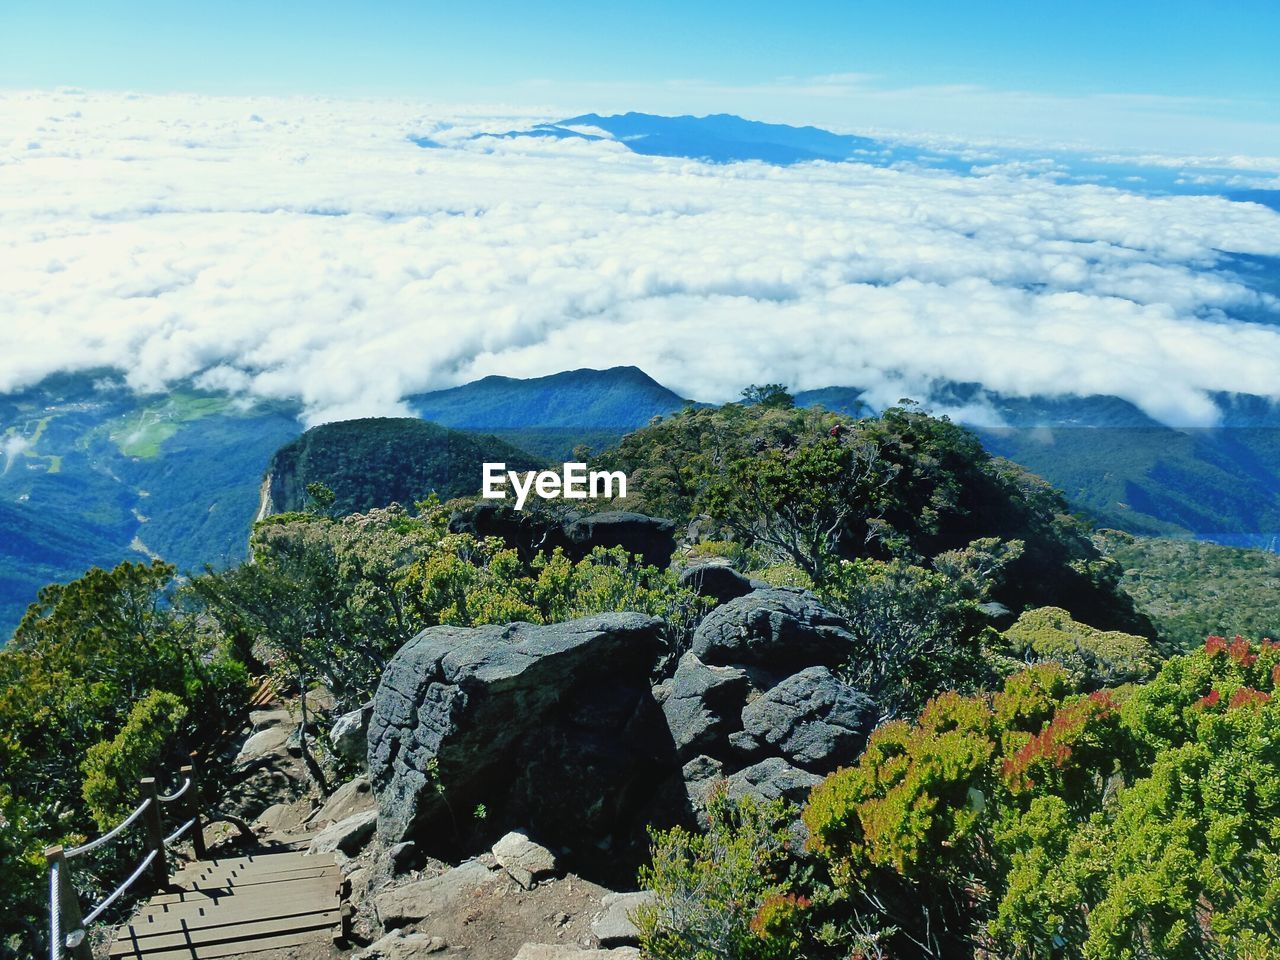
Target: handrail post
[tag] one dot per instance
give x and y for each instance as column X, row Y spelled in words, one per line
column 155, row 832
column 75, row 943
column 193, row 806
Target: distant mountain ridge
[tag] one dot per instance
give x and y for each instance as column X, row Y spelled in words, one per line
column 719, row 138
column 107, row 475
column 1121, row 467
column 617, row 397
column 551, row 416
column 384, row 460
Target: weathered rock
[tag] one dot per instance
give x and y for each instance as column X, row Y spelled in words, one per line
column 779, row 628
column 551, row 728
column 404, row 857
column 812, row 718
column 423, row 898
column 271, row 731
column 354, row 796
column 526, row 861
column 699, row 775
column 349, row 734
column 773, row 778
column 524, row 530
column 561, row 951
column 650, row 538
column 347, row 836
column 613, row 925
column 719, row 581
column 400, row 944
column 703, row 705
column 280, row 818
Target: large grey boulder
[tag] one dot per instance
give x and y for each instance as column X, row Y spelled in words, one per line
column 812, row 718
column 650, row 538
column 551, row 728
column 780, row 629
column 703, row 705
column 772, row 779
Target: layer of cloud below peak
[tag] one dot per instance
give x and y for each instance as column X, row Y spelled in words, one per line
column 308, row 249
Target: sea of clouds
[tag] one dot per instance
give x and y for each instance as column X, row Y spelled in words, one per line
column 308, row 249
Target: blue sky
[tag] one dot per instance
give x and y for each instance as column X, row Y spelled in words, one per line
column 1211, row 64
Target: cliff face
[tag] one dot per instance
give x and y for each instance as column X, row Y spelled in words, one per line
column 375, row 462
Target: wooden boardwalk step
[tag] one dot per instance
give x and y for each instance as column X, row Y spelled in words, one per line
column 236, row 907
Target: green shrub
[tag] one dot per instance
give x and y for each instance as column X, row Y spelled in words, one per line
column 113, row 768
column 724, row 894
column 1094, row 658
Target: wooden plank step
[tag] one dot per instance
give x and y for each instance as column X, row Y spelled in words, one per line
column 218, row 911
column 184, row 934
column 220, row 884
column 221, row 951
column 219, row 927
column 256, row 876
column 286, row 858
column 307, row 885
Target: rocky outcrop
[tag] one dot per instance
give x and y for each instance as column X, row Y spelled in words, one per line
column 555, row 733
column 650, row 538
column 549, row 728
column 717, row 581
column 756, row 702
column 778, row 628
column 812, row 718
column 703, row 705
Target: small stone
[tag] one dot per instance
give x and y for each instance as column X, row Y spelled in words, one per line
column 434, row 896
column 402, row 945
column 526, row 861
column 350, row 734
column 561, row 951
column 613, row 925
column 405, row 857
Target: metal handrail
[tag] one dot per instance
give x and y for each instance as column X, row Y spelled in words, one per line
column 177, row 794
column 115, row 894
column 55, row 911
column 177, row 834
column 64, row 905
column 112, row 834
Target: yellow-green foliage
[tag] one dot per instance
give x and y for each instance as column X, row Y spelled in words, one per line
column 725, row 893
column 468, row 582
column 113, row 767
column 912, row 802
column 1094, row 658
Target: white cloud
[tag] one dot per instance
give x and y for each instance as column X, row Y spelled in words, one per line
column 11, row 447
column 307, row 248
